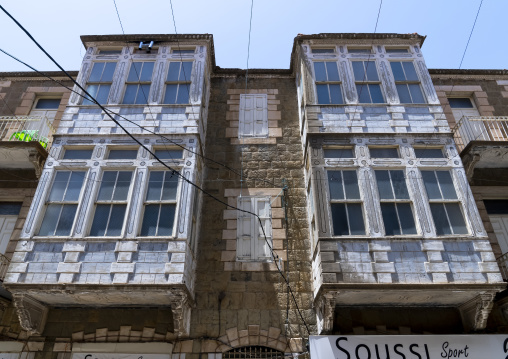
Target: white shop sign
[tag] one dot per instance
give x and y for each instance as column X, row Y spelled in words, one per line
column 118, row 356
column 409, row 346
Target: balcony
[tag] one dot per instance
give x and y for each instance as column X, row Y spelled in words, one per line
column 24, row 142
column 483, row 128
column 482, row 143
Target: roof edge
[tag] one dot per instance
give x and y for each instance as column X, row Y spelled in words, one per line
column 468, row 72
column 23, row 74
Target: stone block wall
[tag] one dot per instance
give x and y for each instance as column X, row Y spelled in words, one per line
column 234, row 298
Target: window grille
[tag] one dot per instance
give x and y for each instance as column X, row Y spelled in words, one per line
column 253, row 352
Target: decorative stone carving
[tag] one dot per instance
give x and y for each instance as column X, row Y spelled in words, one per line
column 476, row 311
column 38, row 161
column 181, row 309
column 470, row 162
column 31, row 313
column 325, row 310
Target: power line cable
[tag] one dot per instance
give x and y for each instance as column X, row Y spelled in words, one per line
column 274, row 255
column 233, row 170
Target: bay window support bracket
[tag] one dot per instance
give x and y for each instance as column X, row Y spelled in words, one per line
column 32, row 314
column 475, row 312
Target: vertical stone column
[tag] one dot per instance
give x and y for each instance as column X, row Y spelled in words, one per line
column 381, row 264
column 436, row 266
column 123, row 266
column 71, row 265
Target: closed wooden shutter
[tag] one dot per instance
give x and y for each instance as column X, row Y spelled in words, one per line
column 251, row 242
column 253, row 116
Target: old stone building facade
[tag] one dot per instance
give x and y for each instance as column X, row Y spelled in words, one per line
column 244, row 210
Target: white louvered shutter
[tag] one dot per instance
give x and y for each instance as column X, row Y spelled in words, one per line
column 263, row 209
column 253, row 116
column 7, row 224
column 261, row 116
column 244, row 229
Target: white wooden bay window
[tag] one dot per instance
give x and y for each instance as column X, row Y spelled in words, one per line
column 253, row 116
column 252, row 245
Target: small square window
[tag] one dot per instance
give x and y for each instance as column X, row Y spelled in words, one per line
column 360, row 50
column 110, row 51
column 78, row 154
column 182, row 51
column 429, row 153
column 399, row 50
column 168, row 154
column 338, row 153
column 384, row 152
column 457, row 102
column 47, row 103
column 323, row 51
column 129, row 154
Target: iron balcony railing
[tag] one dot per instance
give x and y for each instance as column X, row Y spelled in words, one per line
column 480, row 128
column 26, row 129
column 4, row 264
column 502, row 262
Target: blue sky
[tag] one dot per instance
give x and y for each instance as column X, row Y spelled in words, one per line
column 57, row 25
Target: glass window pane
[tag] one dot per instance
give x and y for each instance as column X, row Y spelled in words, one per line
column 351, row 184
column 130, row 94
column 102, row 96
column 333, row 72
column 394, row 51
column 74, row 186
column 122, row 185
column 13, row 208
column 383, row 152
column 410, row 71
column 143, row 92
column 146, row 73
column 429, row 153
column 458, row 103
column 339, row 219
column 398, row 73
column 96, row 74
column 50, row 219
column 363, row 93
column 168, row 154
column 430, row 181
column 174, row 71
column 358, row 71
column 323, row 51
column 416, row 93
column 155, row 186
column 456, row 218
column 399, row 184
column 66, row 220
column 170, row 186
column 376, row 94
column 359, row 51
column 48, row 103
column 166, row 220
column 107, row 75
column 183, row 93
column 320, row 72
column 182, row 52
column 338, row 153
column 403, row 92
column 322, row 93
column 59, row 186
column 170, row 95
column 150, row 218
column 116, row 220
column 107, row 186
column 370, row 67
column 78, row 154
column 335, row 94
column 134, row 72
column 92, row 90
column 100, row 220
column 186, row 72
column 440, row 219
column 390, row 219
column 335, row 185
column 355, row 214
column 122, row 154
column 406, row 218
column 383, row 184
column 446, row 184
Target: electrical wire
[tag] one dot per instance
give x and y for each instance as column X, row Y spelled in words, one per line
column 274, row 255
